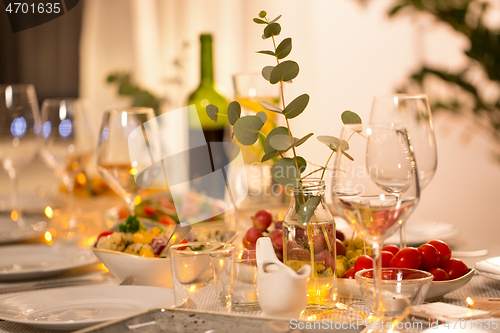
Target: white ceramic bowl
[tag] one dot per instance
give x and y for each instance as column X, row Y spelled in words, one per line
column 148, row 271
column 349, row 288
column 155, row 272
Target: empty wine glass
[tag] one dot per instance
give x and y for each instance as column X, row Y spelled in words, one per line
column 124, row 156
column 68, row 139
column 375, row 186
column 19, row 135
column 415, row 113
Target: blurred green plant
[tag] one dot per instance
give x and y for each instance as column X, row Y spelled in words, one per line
column 471, row 96
column 140, row 97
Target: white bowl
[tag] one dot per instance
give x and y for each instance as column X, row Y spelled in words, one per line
column 148, row 271
column 156, row 272
column 349, row 288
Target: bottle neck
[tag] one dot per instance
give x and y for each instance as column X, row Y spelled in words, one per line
column 207, row 74
column 311, row 186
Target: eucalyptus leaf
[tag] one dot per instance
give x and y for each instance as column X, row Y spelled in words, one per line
column 271, row 53
column 233, row 112
column 280, row 142
column 306, row 211
column 284, row 171
column 349, row 117
column 333, row 142
column 347, row 155
column 212, row 111
column 262, row 115
column 302, row 163
column 259, row 21
column 268, row 157
column 268, row 149
column 270, row 107
column 272, row 29
column 296, row 107
column 246, row 129
column 266, row 72
column 284, row 48
column 276, row 19
column 285, row 71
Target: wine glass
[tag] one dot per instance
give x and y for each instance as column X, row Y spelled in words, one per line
column 68, row 139
column 19, row 135
column 124, row 156
column 375, row 186
column 415, row 113
column 250, row 89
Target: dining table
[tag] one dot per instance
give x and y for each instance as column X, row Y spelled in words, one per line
column 205, row 317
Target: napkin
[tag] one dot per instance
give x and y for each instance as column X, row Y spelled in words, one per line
column 490, row 266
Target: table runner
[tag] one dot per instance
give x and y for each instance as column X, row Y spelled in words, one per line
column 479, row 286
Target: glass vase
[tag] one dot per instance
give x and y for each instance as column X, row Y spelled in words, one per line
column 309, row 238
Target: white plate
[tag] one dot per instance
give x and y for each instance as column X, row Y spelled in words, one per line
column 10, row 231
column 34, row 261
column 489, row 267
column 349, row 288
column 417, row 231
column 74, row 308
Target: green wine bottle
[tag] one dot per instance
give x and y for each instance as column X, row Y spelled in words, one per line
column 206, row 94
column 205, row 160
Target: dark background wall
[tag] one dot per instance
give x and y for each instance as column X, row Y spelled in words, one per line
column 46, row 55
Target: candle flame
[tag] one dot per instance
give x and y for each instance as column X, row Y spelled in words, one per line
column 469, row 301
column 49, row 212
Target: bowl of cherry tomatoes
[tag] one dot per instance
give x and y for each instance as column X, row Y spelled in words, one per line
column 434, row 257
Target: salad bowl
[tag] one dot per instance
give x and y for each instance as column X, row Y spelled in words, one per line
column 149, row 270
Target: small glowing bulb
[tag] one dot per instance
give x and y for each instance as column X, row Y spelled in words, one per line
column 49, row 212
column 193, row 288
column 133, row 171
column 81, row 179
column 48, row 236
column 14, row 215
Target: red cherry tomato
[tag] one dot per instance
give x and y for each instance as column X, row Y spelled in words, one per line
column 167, row 220
column 386, row 258
column 183, row 241
column 391, row 248
column 439, row 274
column 408, row 257
column 363, row 262
column 148, row 210
column 443, row 249
column 430, row 257
column 455, row 268
column 104, row 234
column 349, row 274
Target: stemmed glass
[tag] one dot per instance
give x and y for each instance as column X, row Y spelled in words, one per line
column 249, row 90
column 69, row 139
column 124, row 157
column 19, row 135
column 375, row 186
column 415, row 113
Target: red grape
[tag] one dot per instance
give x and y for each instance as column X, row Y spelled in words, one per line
column 277, row 240
column 253, row 234
column 339, row 235
column 263, row 219
column 341, row 250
